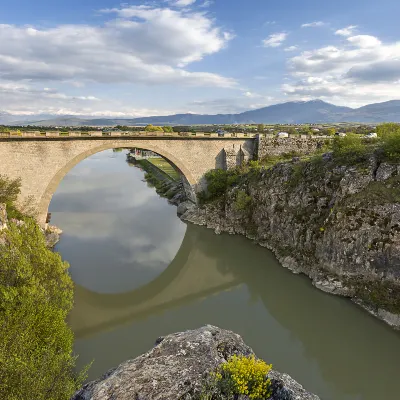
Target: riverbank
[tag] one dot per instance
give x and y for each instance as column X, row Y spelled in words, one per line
column 337, row 224
column 165, row 185
column 181, row 366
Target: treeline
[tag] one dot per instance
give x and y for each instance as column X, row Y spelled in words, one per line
column 36, row 295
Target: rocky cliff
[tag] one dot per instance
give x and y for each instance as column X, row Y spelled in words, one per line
column 178, row 367
column 338, row 224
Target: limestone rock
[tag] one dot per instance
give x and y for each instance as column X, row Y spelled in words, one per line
column 176, row 368
column 52, row 235
column 329, row 221
column 385, row 171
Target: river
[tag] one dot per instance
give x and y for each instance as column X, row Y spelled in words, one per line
column 141, row 273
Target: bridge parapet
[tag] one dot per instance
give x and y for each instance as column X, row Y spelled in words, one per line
column 142, row 134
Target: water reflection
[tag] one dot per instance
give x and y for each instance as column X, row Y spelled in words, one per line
column 331, row 346
column 114, row 225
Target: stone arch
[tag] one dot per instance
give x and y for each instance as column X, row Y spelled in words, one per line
column 45, row 199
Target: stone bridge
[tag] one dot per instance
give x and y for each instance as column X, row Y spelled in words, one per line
column 42, row 162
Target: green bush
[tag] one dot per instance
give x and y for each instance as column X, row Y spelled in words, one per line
column 152, row 128
column 390, row 135
column 217, row 183
column 9, row 190
column 350, row 148
column 239, row 376
column 36, row 294
column 243, row 201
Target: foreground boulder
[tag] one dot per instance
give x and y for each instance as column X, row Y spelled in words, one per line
column 176, row 368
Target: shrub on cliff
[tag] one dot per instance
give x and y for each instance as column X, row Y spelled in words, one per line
column 239, row 376
column 350, row 149
column 243, row 201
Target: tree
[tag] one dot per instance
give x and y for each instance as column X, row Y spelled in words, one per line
column 152, row 128
column 388, row 129
column 331, row 131
column 36, row 294
column 260, row 128
column 168, row 129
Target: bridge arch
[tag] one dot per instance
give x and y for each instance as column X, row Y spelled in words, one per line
column 51, row 188
column 42, row 162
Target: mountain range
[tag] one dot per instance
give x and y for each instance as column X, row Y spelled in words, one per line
column 295, row 112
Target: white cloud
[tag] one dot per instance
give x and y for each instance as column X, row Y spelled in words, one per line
column 207, row 3
column 275, row 40
column 182, row 3
column 291, row 48
column 22, row 99
column 360, row 71
column 348, row 31
column 144, row 45
column 365, row 41
column 315, row 24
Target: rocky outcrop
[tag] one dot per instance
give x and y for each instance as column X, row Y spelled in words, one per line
column 177, row 368
column 52, row 234
column 338, row 224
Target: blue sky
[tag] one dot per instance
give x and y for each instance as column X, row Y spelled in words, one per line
column 101, row 57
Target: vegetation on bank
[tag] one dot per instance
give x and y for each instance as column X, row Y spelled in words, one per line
column 240, row 375
column 163, row 183
column 36, row 295
column 352, row 149
column 308, row 173
column 165, row 167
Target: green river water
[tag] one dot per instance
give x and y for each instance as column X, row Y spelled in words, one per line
column 141, row 273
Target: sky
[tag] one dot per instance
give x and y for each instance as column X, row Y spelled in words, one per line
column 141, row 58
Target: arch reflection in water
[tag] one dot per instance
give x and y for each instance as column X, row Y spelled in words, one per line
column 325, row 342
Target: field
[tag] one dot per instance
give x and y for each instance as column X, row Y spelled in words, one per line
column 165, row 166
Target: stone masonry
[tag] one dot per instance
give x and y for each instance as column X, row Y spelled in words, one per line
column 42, row 163
column 274, row 146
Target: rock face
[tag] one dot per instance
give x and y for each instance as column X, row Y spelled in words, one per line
column 177, row 367
column 52, row 235
column 340, row 225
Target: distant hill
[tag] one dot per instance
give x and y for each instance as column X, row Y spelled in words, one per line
column 295, row 112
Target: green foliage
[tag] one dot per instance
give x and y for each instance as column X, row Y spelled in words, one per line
column 350, row 148
column 243, row 201
column 36, row 294
column 168, row 129
column 217, row 183
column 387, row 129
column 9, row 190
column 239, row 376
column 390, row 135
column 152, row 128
column 330, row 131
column 260, row 128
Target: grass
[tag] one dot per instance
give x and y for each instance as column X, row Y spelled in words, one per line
column 165, row 166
